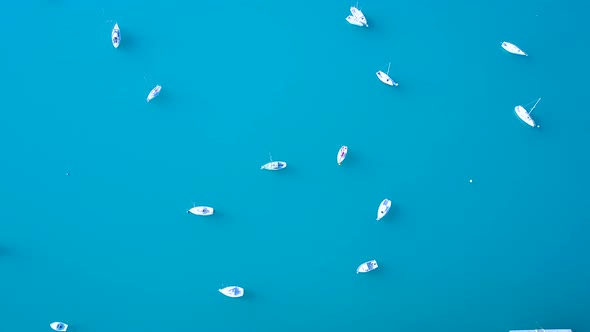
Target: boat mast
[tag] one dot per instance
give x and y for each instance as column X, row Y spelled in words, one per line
column 388, row 66
column 538, row 100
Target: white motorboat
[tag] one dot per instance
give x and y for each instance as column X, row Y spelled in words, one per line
column 201, row 210
column 356, row 12
column 232, row 291
column 384, row 77
column 274, row 165
column 59, row 326
column 543, row 330
column 524, row 115
column 513, row 48
column 383, row 208
column 367, row 266
column 154, row 93
column 116, row 35
column 342, row 154
column 354, row 21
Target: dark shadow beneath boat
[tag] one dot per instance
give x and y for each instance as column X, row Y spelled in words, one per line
column 248, row 295
column 350, row 161
column 127, row 42
column 162, row 99
column 392, row 214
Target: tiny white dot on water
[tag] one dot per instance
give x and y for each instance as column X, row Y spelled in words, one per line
column 470, row 181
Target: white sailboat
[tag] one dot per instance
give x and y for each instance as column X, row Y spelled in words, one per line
column 513, row 48
column 154, row 93
column 232, row 291
column 354, row 21
column 116, row 35
column 524, row 115
column 342, row 154
column 201, row 210
column 356, row 12
column 384, row 77
column 367, row 266
column 383, row 208
column 59, row 326
column 274, row 165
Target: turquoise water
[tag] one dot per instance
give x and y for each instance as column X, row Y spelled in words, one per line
column 110, row 247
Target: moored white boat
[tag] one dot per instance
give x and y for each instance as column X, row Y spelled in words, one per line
column 367, row 266
column 154, row 93
column 342, row 154
column 59, row 326
column 201, row 210
column 356, row 12
column 274, row 165
column 116, row 35
column 354, row 21
column 232, row 291
column 524, row 115
column 543, row 330
column 383, row 208
column 513, row 48
column 384, row 77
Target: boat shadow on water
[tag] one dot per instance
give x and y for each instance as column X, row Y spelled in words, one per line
column 392, row 216
column 128, row 42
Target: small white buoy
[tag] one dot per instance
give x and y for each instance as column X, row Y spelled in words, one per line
column 470, row 181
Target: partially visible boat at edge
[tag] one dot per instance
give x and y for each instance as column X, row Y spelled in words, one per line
column 384, row 77
column 201, row 210
column 232, row 291
column 513, row 48
column 116, row 35
column 154, row 93
column 383, row 208
column 342, row 154
column 367, row 266
column 59, row 326
column 543, row 330
column 524, row 115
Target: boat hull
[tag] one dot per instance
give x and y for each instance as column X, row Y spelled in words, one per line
column 342, row 154
column 274, row 166
column 116, row 36
column 522, row 113
column 383, row 208
column 232, row 291
column 543, row 330
column 367, row 266
column 201, row 210
column 358, row 14
column 354, row 21
column 511, row 48
column 58, row 326
column 383, row 77
column 154, row 93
